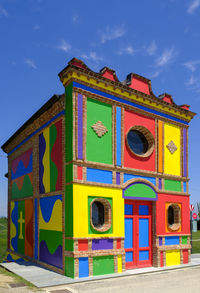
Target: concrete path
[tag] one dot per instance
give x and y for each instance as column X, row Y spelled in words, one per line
column 41, row 277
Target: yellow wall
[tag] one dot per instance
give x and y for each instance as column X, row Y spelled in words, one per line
column 173, row 257
column 80, row 209
column 172, row 163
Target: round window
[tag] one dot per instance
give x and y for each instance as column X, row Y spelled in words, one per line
column 140, row 141
column 100, row 214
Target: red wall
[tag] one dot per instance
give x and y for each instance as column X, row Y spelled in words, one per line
column 161, row 215
column 130, row 160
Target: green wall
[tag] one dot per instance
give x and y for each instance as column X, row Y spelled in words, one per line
column 99, row 149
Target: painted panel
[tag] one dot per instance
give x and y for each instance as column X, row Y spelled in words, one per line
column 129, row 256
column 103, row 265
column 80, row 127
column 172, row 164
column 161, row 259
column 97, row 175
column 21, row 232
column 143, row 210
column 160, row 241
column 143, row 255
column 21, row 175
column 160, row 146
column 118, row 135
column 185, row 256
column 128, row 243
column 82, row 244
column 143, row 232
column 118, row 178
column 161, row 219
column 69, row 267
column 102, row 244
column 184, row 239
column 50, row 230
column 139, row 190
column 172, row 257
column 184, row 152
column 36, row 228
column 172, row 185
column 81, row 224
column 159, row 183
column 83, row 267
column 130, row 176
column 119, row 263
column 99, row 147
column 184, row 187
column 128, row 209
column 50, row 158
column 172, row 240
column 130, row 160
column 79, row 172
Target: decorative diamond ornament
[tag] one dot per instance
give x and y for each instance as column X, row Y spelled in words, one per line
column 99, row 128
column 171, row 147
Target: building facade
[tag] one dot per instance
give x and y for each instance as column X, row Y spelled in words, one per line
column 98, row 178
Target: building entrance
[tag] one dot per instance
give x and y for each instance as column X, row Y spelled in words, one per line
column 138, row 233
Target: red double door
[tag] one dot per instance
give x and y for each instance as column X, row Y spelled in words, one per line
column 138, row 234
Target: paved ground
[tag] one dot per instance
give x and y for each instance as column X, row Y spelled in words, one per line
column 177, row 281
column 184, row 279
column 41, row 277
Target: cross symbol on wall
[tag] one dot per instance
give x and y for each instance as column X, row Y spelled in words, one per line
column 21, row 221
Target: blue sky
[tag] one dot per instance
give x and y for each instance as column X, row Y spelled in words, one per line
column 156, row 39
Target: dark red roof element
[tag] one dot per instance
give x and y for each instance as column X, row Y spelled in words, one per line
column 185, row 106
column 139, row 83
column 108, row 73
column 167, row 98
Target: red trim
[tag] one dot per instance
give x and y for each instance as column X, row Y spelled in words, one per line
column 79, row 172
column 136, row 249
column 161, row 259
column 82, row 244
column 185, row 256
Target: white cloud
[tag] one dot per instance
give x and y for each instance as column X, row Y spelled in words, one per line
column 193, row 83
column 92, row 56
column 127, row 50
column 112, row 33
column 75, row 18
column 193, row 6
column 192, row 65
column 30, row 63
column 3, row 12
column 155, row 74
column 166, row 57
column 151, row 50
column 64, row 46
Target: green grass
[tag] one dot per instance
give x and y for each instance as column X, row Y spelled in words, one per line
column 3, row 238
column 196, row 244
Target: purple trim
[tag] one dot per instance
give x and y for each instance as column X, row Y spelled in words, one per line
column 141, row 198
column 160, row 241
column 159, row 183
column 184, row 152
column 100, row 244
column 118, row 178
column 80, row 126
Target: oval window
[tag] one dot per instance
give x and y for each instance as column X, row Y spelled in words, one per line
column 140, row 141
column 97, row 214
column 137, row 142
column 100, row 214
column 174, row 217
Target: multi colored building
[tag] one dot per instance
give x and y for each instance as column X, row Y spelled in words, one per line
column 98, row 178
